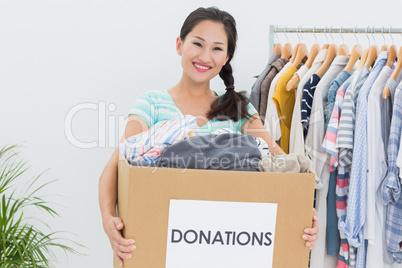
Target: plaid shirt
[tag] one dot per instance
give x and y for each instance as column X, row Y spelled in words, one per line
column 391, row 187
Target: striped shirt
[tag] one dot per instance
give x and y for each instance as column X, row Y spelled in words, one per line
column 149, row 145
column 307, row 100
column 347, row 122
column 356, row 207
column 335, row 84
column 342, row 180
column 391, row 187
column 157, row 105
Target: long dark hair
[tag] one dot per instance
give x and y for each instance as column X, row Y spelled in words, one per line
column 232, row 104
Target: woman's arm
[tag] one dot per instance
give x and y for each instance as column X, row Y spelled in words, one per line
column 112, row 224
column 257, row 130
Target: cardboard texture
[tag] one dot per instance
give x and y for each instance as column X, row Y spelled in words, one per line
column 144, row 195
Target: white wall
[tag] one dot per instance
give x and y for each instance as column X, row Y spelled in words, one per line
column 55, row 55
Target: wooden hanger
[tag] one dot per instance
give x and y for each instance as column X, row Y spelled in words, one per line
column 311, row 57
column 372, row 56
column 301, row 53
column 294, row 81
column 363, row 59
column 331, row 53
column 278, row 48
column 387, row 92
column 326, row 46
column 343, row 50
column 391, row 56
column 286, row 51
column 292, row 58
column 384, row 48
column 354, row 56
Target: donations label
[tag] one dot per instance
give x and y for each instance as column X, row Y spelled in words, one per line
column 220, row 234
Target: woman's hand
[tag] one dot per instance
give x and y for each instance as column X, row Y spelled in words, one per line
column 121, row 246
column 311, row 234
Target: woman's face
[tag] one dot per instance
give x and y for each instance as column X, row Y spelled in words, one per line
column 204, row 51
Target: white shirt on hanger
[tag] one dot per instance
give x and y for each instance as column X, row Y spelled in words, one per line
column 296, row 141
column 378, row 126
column 320, row 161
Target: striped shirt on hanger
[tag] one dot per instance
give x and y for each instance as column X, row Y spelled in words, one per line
column 335, row 84
column 356, row 207
column 342, row 180
column 307, row 100
column 347, row 122
column 296, row 141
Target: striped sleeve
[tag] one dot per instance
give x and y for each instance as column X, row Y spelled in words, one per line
column 251, row 109
column 144, row 108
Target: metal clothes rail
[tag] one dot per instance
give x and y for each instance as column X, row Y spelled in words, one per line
column 274, row 29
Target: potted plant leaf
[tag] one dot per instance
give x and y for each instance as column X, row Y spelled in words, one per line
column 23, row 244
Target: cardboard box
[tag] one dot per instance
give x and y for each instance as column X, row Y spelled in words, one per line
column 144, row 196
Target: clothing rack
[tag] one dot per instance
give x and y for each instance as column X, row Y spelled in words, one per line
column 274, row 29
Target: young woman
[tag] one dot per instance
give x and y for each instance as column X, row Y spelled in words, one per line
column 206, row 45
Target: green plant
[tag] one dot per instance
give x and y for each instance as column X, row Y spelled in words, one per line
column 21, row 243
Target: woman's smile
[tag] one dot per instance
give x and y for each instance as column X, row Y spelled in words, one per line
column 201, row 67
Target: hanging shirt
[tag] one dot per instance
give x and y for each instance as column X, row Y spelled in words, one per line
column 329, row 103
column 307, row 101
column 284, row 101
column 356, row 208
column 344, row 166
column 378, row 125
column 272, row 121
column 316, row 137
column 296, row 141
column 157, row 105
column 316, row 131
column 332, row 233
column 256, row 89
column 342, row 179
column 391, row 187
column 301, row 72
column 276, row 67
column 313, row 144
column 329, row 143
column 347, row 122
column 333, row 237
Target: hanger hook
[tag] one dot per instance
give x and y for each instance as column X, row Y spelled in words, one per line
column 390, row 34
column 298, row 33
column 330, row 34
column 367, row 36
column 276, row 34
column 372, row 34
column 340, row 32
column 354, row 33
column 287, row 39
column 383, row 37
column 301, row 33
column 314, row 33
column 325, row 29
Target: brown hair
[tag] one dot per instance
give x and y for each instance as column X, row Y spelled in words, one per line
column 232, row 104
